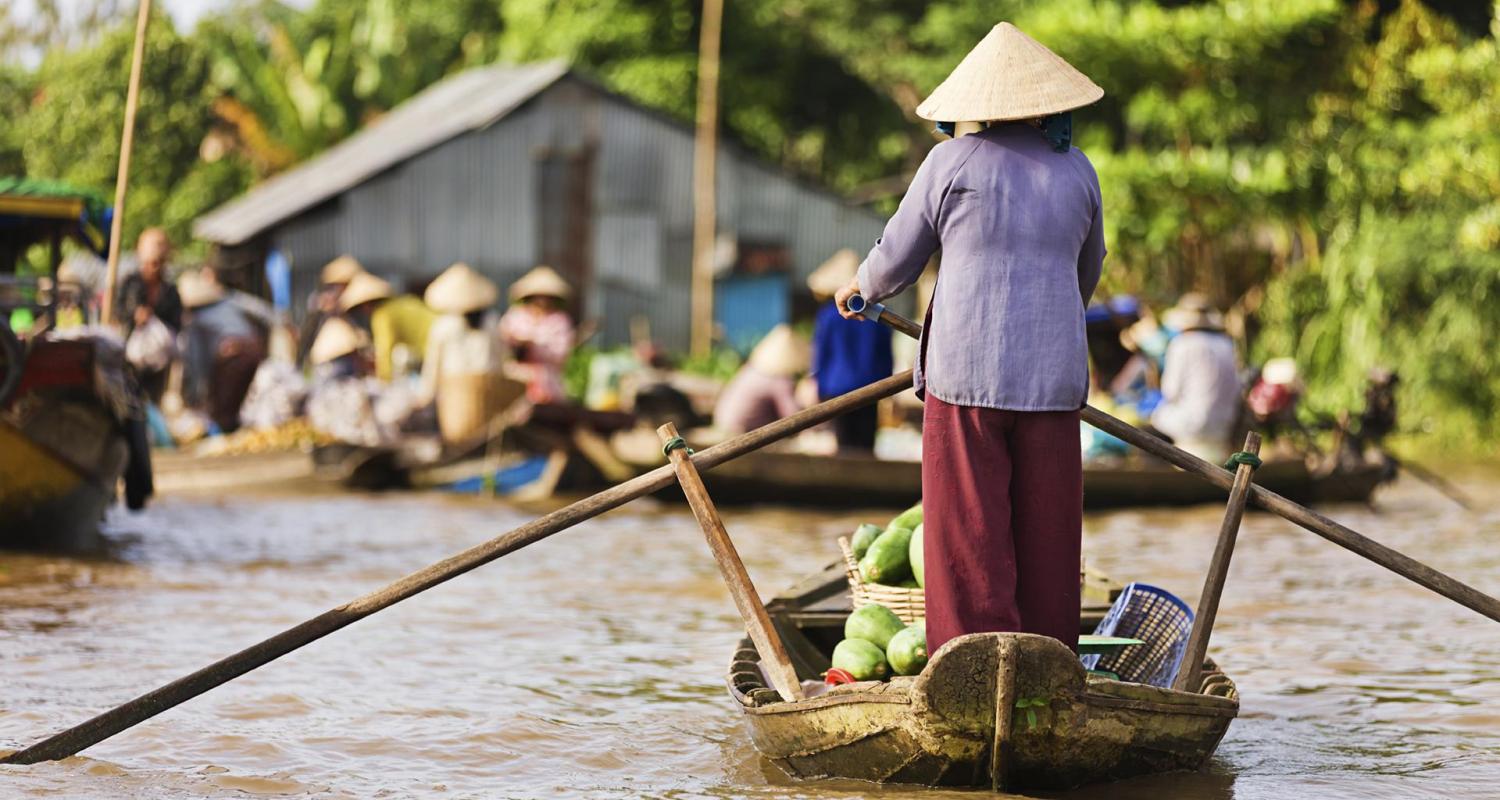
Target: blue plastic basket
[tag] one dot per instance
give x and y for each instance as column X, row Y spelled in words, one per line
column 1155, row 616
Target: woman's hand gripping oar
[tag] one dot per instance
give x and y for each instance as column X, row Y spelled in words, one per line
column 1393, row 560
column 148, row 705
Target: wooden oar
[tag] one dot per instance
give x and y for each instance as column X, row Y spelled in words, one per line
column 148, row 705
column 1393, row 560
column 746, row 599
column 1218, row 571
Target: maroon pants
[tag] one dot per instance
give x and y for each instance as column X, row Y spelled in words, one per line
column 1002, row 501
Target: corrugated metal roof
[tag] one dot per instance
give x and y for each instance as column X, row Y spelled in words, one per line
column 467, row 101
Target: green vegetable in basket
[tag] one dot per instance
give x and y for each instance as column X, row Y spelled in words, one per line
column 909, row 583
column 864, row 536
column 887, row 559
column 859, row 658
column 914, row 555
column 907, row 651
column 908, row 519
column 873, row 623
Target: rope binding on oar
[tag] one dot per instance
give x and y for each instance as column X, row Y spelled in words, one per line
column 1250, row 460
column 675, row 443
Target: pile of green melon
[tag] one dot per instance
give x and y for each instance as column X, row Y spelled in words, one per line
column 892, row 555
column 878, row 644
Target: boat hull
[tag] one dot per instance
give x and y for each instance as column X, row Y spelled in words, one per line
column 48, row 502
column 1058, row 727
column 798, row 478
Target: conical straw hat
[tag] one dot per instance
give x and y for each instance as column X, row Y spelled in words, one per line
column 336, row 338
column 460, row 290
column 340, row 270
column 197, row 289
column 541, row 282
column 781, row 353
column 1008, row 75
column 364, row 288
column 834, row 274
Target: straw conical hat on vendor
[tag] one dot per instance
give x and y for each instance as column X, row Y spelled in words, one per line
column 364, row 288
column 340, row 270
column 1194, row 312
column 834, row 274
column 336, row 338
column 461, row 290
column 197, row 289
column 781, row 353
column 541, row 282
column 1009, row 76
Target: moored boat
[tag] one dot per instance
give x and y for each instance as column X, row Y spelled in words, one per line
column 1007, row 711
column 857, row 481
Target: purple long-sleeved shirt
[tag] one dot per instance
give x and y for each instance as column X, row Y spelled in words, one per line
column 1021, row 228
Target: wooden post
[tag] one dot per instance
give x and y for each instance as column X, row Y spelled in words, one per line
column 1218, row 571
column 122, row 177
column 705, row 164
column 757, row 622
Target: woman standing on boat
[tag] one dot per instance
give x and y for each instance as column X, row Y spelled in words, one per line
column 1003, row 367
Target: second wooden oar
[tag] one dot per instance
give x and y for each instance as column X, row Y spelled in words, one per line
column 1393, row 560
column 757, row 622
column 148, row 705
column 1218, row 569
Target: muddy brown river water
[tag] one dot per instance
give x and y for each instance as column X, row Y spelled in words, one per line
column 591, row 665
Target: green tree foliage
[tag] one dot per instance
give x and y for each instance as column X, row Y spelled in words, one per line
column 71, row 131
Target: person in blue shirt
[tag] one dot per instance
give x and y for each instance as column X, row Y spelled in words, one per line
column 847, row 355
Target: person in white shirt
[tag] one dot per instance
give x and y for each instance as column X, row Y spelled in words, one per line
column 1200, row 382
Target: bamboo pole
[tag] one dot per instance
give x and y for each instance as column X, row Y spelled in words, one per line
column 148, row 705
column 1218, row 572
column 757, row 622
column 122, row 177
column 1393, row 560
column 705, row 168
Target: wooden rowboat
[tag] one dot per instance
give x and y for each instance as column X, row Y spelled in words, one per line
column 854, row 481
column 1007, row 711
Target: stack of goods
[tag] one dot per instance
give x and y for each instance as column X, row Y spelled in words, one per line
column 876, row 645
column 885, row 565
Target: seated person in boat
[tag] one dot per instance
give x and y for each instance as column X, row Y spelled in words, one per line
column 344, row 398
column 847, row 355
column 462, row 371
column 397, row 323
column 1003, row 365
column 323, row 302
column 222, row 350
column 539, row 333
column 1200, row 382
column 765, row 388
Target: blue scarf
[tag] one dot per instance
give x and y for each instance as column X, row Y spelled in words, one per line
column 1058, row 129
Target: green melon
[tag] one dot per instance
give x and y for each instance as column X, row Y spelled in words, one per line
column 887, row 560
column 907, row 651
column 864, row 536
column 874, row 623
column 859, row 658
column 908, row 519
column 914, row 556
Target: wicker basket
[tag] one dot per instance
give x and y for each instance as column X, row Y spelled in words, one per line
column 908, row 604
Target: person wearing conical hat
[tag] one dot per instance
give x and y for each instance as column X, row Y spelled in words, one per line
column 539, row 332
column 847, row 355
column 223, row 349
column 462, row 369
column 393, row 320
column 765, row 388
column 1003, row 364
column 323, row 301
column 1200, row 381
column 344, row 398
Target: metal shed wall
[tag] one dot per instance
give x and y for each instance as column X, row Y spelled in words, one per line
column 474, row 199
